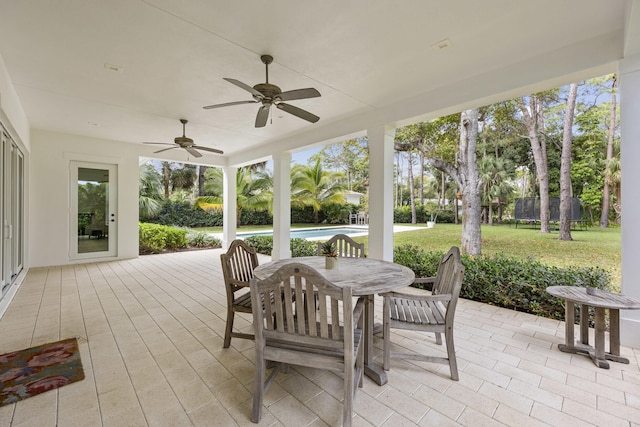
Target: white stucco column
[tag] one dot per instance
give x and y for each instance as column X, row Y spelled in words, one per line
column 229, row 200
column 629, row 75
column 381, row 192
column 281, row 206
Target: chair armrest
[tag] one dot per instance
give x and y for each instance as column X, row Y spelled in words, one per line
column 424, row 282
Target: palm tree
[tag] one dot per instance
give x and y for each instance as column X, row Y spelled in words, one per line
column 313, row 186
column 254, row 189
column 150, row 191
column 184, row 178
column 495, row 182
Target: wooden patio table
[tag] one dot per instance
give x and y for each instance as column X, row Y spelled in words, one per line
column 600, row 301
column 366, row 277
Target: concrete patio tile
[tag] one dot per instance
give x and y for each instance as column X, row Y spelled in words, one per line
column 435, row 418
column 512, row 417
column 556, row 417
column 291, row 412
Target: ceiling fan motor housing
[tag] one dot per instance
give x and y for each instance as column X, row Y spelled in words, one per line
column 268, row 90
column 183, row 141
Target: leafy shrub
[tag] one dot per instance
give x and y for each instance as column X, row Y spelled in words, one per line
column 299, row 247
column 337, row 213
column 181, row 214
column 508, row 282
column 302, row 247
column 262, row 244
column 154, row 238
column 253, row 217
column 304, row 215
column 200, row 239
column 423, row 264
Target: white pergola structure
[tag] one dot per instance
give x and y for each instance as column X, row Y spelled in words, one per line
column 88, row 81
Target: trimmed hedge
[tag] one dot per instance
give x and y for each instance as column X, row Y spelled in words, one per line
column 155, row 238
column 299, row 247
column 181, row 214
column 507, row 282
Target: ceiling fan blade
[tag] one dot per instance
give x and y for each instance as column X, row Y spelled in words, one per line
column 298, row 112
column 212, row 150
column 245, row 86
column 298, row 94
column 158, row 143
column 193, row 151
column 165, row 149
column 227, row 104
column 263, row 115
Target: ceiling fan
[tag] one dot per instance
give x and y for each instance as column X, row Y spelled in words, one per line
column 186, row 143
column 269, row 94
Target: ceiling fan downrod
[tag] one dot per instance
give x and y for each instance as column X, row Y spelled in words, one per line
column 266, row 60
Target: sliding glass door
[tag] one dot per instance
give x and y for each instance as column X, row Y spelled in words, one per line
column 11, row 212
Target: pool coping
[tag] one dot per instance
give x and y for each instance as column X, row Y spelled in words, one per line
column 365, row 228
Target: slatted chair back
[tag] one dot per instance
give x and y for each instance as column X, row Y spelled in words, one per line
column 346, row 246
column 449, row 278
column 238, row 264
column 313, row 323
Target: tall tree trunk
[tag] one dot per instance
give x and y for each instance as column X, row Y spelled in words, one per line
column 467, row 177
column 606, row 190
column 443, row 189
column 490, row 215
column 534, row 120
column 412, row 196
column 471, row 183
column 166, row 178
column 201, row 171
column 456, row 218
column 565, row 165
column 421, row 189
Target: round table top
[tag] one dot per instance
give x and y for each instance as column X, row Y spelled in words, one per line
column 365, row 276
column 599, row 298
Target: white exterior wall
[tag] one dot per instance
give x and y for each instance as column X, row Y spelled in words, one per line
column 629, row 75
column 49, row 199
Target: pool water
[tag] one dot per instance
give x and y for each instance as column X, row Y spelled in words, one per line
column 312, row 233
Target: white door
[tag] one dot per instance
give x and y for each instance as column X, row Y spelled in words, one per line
column 93, row 210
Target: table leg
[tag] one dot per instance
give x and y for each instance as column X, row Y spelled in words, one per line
column 376, row 373
column 584, row 324
column 598, row 356
column 614, row 337
column 569, row 319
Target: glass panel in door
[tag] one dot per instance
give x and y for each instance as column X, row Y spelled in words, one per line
column 94, row 212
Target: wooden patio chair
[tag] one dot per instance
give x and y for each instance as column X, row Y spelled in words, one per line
column 346, row 246
column 423, row 311
column 238, row 264
column 326, row 334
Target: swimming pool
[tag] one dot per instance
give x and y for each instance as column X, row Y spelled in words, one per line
column 313, row 233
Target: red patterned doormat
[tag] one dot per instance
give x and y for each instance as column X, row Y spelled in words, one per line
column 35, row 370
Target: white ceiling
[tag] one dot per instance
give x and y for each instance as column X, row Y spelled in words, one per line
column 372, row 60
